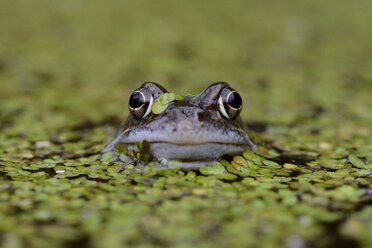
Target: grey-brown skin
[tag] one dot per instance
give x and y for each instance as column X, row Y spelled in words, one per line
column 193, row 129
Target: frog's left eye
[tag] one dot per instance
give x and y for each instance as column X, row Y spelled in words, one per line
column 230, row 103
column 140, row 104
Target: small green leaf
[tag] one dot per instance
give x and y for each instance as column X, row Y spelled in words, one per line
column 158, row 107
column 174, row 164
column 240, row 160
column 171, row 97
column 271, row 163
column 179, row 97
column 357, row 162
column 107, row 157
column 215, row 169
column 121, row 148
column 227, row 176
column 163, row 99
column 143, row 146
column 159, row 183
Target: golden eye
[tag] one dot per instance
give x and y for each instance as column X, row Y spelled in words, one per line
column 230, row 103
column 139, row 104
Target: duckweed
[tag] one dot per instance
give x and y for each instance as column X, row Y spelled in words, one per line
column 304, row 71
column 161, row 104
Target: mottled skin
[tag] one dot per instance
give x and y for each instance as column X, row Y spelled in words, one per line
column 192, row 129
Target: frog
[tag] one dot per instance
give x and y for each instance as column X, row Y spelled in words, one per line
column 195, row 129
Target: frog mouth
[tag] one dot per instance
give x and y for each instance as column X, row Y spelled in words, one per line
column 193, row 145
column 190, row 143
column 207, row 151
column 183, row 134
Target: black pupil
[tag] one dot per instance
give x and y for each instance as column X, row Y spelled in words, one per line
column 136, row 100
column 234, row 100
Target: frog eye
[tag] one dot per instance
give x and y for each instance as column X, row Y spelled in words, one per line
column 230, row 103
column 140, row 104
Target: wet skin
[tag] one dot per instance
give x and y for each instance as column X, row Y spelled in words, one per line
column 198, row 129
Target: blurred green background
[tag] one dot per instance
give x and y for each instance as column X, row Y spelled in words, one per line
column 68, row 67
column 70, row 61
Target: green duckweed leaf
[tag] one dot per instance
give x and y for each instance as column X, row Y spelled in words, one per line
column 107, row 157
column 54, row 121
column 175, row 164
column 121, row 148
column 179, row 97
column 357, row 162
column 158, row 107
column 215, row 169
column 227, row 176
